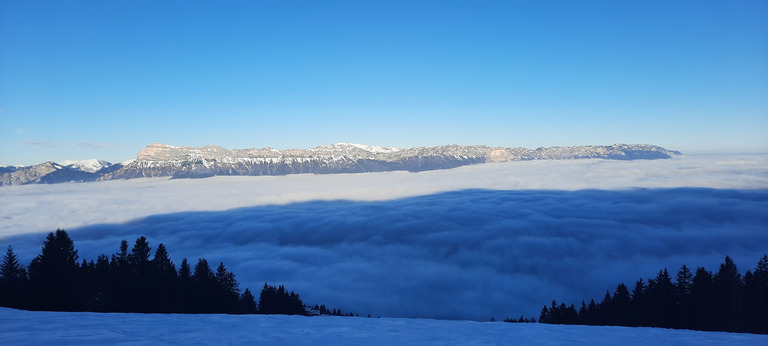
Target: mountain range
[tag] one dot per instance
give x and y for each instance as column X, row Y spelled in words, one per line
column 158, row 160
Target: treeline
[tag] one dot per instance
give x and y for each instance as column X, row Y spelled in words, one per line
column 131, row 282
column 724, row 301
column 519, row 320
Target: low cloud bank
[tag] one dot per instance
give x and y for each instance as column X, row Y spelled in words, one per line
column 41, row 208
column 464, row 254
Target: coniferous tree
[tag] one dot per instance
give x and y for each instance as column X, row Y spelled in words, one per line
column 278, row 301
column 683, row 284
column 122, row 256
column 53, row 275
column 248, row 302
column 751, row 303
column 723, row 302
column 162, row 279
column 620, row 306
column 140, row 253
column 140, row 295
column 11, row 270
column 228, row 289
column 605, row 310
column 702, row 297
column 184, row 297
column 661, row 295
column 162, row 262
column 185, row 273
column 760, row 300
column 204, row 286
column 226, row 280
column 638, row 305
column 130, row 282
column 13, row 280
column 592, row 311
column 728, row 286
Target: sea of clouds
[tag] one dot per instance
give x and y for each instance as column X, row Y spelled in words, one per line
column 491, row 240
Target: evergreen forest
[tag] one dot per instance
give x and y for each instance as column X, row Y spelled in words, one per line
column 699, row 300
column 131, row 281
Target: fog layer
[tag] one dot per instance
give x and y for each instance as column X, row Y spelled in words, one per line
column 465, row 254
column 41, row 208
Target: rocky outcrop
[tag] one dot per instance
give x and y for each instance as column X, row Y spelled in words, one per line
column 157, row 160
column 30, row 174
column 191, row 162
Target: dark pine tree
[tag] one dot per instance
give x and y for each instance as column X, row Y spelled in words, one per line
column 279, row 301
column 621, row 311
column 248, row 302
column 756, row 298
column 184, row 296
column 228, row 292
column 605, row 310
column 728, row 286
column 683, row 284
column 163, row 280
column 638, row 306
column 702, row 297
column 204, row 287
column 661, row 299
column 141, row 295
column 53, row 275
column 119, row 284
column 13, row 281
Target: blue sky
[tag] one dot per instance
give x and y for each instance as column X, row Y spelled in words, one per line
column 101, row 79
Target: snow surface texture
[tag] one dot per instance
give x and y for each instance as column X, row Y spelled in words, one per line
column 62, row 328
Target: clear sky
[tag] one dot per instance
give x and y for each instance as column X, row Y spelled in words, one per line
column 101, row 79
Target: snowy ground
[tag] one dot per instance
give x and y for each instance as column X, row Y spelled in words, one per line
column 63, row 328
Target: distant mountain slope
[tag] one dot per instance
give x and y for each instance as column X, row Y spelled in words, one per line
column 157, row 160
column 91, row 166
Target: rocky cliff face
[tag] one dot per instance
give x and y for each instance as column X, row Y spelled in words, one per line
column 158, row 160
column 24, row 175
column 188, row 162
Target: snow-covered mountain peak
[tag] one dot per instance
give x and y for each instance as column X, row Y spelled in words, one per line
column 193, row 162
column 91, row 165
column 368, row 148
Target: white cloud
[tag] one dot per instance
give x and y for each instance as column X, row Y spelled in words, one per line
column 505, row 240
column 40, row 208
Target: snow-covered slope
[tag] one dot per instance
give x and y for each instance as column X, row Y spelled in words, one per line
column 91, row 165
column 78, row 328
column 195, row 162
column 158, row 160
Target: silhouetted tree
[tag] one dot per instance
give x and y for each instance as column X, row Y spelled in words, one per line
column 638, row 306
column 755, row 304
column 163, row 279
column 278, row 301
column 661, row 300
column 620, row 306
column 184, row 297
column 248, row 302
column 228, row 293
column 683, row 284
column 723, row 302
column 53, row 275
column 204, row 286
column 727, row 286
column 130, row 282
column 13, row 280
